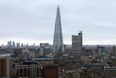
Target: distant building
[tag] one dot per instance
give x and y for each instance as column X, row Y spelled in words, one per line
column 13, row 44
column 9, row 43
column 4, row 51
column 114, row 50
column 77, row 44
column 22, row 45
column 18, row 45
column 101, row 50
column 17, row 52
column 58, row 40
column 44, row 49
column 23, row 53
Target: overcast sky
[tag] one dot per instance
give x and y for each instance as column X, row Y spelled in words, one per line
column 32, row 21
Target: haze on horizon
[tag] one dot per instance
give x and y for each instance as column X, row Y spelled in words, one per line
column 33, row 21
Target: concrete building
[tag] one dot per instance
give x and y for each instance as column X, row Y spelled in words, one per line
column 44, row 49
column 77, row 44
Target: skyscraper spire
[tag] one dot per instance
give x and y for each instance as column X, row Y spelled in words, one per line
column 58, row 41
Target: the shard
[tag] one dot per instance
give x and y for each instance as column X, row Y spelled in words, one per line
column 58, row 41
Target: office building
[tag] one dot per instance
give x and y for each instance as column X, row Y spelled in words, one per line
column 44, row 49
column 77, row 44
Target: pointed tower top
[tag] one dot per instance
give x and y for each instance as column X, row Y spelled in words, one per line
column 58, row 6
column 58, row 11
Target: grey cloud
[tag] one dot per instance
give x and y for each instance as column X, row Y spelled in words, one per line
column 34, row 19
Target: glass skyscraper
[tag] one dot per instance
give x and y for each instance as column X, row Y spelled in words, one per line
column 58, row 40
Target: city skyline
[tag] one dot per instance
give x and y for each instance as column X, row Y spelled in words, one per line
column 34, row 21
